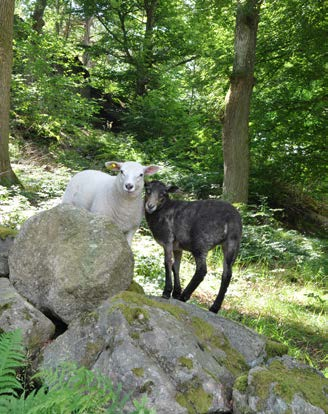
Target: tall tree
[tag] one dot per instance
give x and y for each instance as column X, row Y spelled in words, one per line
column 141, row 38
column 39, row 8
column 235, row 124
column 7, row 176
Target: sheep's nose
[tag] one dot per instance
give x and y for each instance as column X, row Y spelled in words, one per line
column 150, row 207
column 129, row 186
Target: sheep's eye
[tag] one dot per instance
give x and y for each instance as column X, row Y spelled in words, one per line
column 141, row 175
column 148, row 191
column 122, row 172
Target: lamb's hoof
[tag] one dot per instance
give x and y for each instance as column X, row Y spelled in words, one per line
column 182, row 298
column 166, row 295
column 176, row 295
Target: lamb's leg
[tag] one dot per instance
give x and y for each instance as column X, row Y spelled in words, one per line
column 230, row 250
column 176, row 269
column 168, row 260
column 201, row 270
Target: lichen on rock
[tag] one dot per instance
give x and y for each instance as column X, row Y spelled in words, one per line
column 193, row 396
column 279, row 387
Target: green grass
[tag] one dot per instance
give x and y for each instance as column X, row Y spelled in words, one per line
column 280, row 280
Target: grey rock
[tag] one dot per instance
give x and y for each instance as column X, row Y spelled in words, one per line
column 67, row 260
column 178, row 360
column 237, row 334
column 17, row 313
column 283, row 386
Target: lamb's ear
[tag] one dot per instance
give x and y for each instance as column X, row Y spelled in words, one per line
column 113, row 165
column 173, row 189
column 151, row 169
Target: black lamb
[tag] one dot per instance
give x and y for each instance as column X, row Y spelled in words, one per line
column 195, row 226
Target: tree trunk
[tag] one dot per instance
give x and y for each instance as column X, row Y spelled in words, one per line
column 87, row 40
column 7, row 176
column 235, row 124
column 145, row 61
column 39, row 8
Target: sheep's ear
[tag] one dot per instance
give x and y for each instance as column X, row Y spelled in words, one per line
column 151, row 169
column 113, row 165
column 172, row 189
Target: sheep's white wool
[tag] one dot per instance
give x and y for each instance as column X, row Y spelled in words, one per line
column 118, row 198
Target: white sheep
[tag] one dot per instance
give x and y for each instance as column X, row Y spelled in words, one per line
column 118, row 198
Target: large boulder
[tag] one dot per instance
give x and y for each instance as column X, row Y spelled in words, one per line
column 17, row 313
column 66, row 261
column 175, row 354
column 282, row 386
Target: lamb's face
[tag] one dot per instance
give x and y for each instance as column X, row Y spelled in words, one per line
column 155, row 196
column 131, row 175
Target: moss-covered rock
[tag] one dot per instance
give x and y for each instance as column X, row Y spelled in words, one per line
column 138, row 372
column 283, row 386
column 193, row 396
column 136, row 298
column 179, row 357
column 186, row 362
column 133, row 313
column 273, row 349
column 214, row 339
column 7, row 232
column 241, row 383
column 135, row 287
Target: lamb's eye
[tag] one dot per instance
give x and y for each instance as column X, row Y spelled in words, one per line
column 141, row 175
column 122, row 172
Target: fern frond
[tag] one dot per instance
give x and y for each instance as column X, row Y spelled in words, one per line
column 80, row 390
column 67, row 390
column 11, row 357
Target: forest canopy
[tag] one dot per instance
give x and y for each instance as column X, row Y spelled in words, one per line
column 155, row 74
